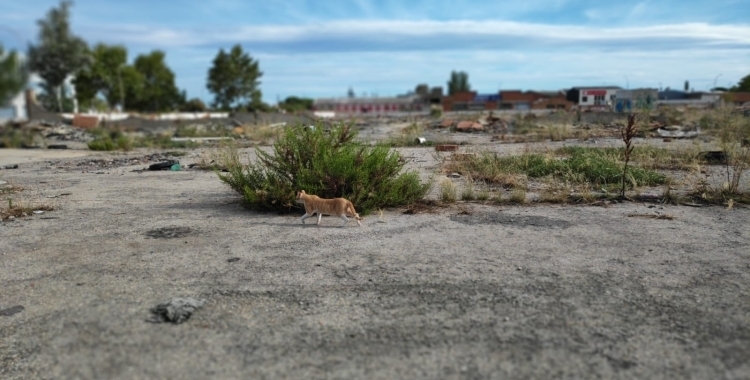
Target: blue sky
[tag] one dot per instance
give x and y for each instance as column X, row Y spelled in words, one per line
column 385, row 47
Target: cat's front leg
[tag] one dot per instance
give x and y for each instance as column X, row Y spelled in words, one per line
column 320, row 216
column 302, row 219
column 346, row 220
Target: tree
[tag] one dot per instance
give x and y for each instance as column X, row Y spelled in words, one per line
column 459, row 82
column 152, row 87
column 13, row 75
column 194, row 105
column 743, row 85
column 687, row 86
column 234, row 79
column 350, row 94
column 293, row 103
column 59, row 53
column 103, row 76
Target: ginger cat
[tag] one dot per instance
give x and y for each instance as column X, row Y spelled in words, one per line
column 337, row 206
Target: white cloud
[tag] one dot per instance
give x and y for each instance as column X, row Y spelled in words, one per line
column 385, row 35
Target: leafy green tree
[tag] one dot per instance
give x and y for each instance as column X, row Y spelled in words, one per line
column 153, row 89
column 133, row 82
column 103, row 76
column 194, row 105
column 13, row 75
column 234, row 79
column 743, row 85
column 293, row 104
column 459, row 82
column 59, row 52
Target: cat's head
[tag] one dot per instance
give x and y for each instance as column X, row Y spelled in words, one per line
column 300, row 194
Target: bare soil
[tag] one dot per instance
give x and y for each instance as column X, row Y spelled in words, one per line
column 471, row 291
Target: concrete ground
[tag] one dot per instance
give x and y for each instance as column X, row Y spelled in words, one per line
column 465, row 292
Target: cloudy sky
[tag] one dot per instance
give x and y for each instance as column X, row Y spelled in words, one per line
column 319, row 48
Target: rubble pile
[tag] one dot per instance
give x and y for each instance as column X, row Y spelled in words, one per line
column 109, row 163
column 64, row 132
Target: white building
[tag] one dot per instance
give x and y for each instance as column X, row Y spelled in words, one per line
column 595, row 98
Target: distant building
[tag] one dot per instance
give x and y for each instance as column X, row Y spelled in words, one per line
column 470, row 101
column 507, row 100
column 636, row 99
column 676, row 98
column 593, row 98
column 371, row 106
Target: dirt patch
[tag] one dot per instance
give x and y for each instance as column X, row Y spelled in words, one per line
column 500, row 218
column 170, row 232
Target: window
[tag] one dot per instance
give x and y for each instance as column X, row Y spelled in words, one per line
column 585, row 99
column 598, row 99
column 612, row 97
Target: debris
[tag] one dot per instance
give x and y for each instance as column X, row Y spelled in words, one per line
column 678, row 132
column 11, row 166
column 714, row 157
column 11, row 311
column 233, row 260
column 38, row 212
column 57, row 146
column 165, row 165
column 420, row 140
column 469, row 126
column 454, row 175
column 651, row 216
column 58, row 195
column 690, row 204
column 176, row 310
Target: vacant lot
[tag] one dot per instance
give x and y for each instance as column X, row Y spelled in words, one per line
column 469, row 291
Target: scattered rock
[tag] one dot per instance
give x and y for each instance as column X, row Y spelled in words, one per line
column 57, row 146
column 233, row 260
column 11, row 166
column 11, row 311
column 176, row 310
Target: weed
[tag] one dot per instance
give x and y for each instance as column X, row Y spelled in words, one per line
column 18, row 138
column 518, row 196
column 261, row 134
column 17, row 210
column 627, row 132
column 576, row 167
column 448, row 191
column 325, row 163
column 468, row 194
column 408, row 136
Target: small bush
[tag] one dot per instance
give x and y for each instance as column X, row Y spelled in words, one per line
column 107, row 143
column 18, row 138
column 448, row 191
column 328, row 164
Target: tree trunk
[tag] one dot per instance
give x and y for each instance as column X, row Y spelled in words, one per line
column 59, row 99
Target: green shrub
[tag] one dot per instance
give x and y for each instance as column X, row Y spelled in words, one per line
column 115, row 141
column 325, row 163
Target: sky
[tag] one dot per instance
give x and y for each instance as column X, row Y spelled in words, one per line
column 321, row 48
